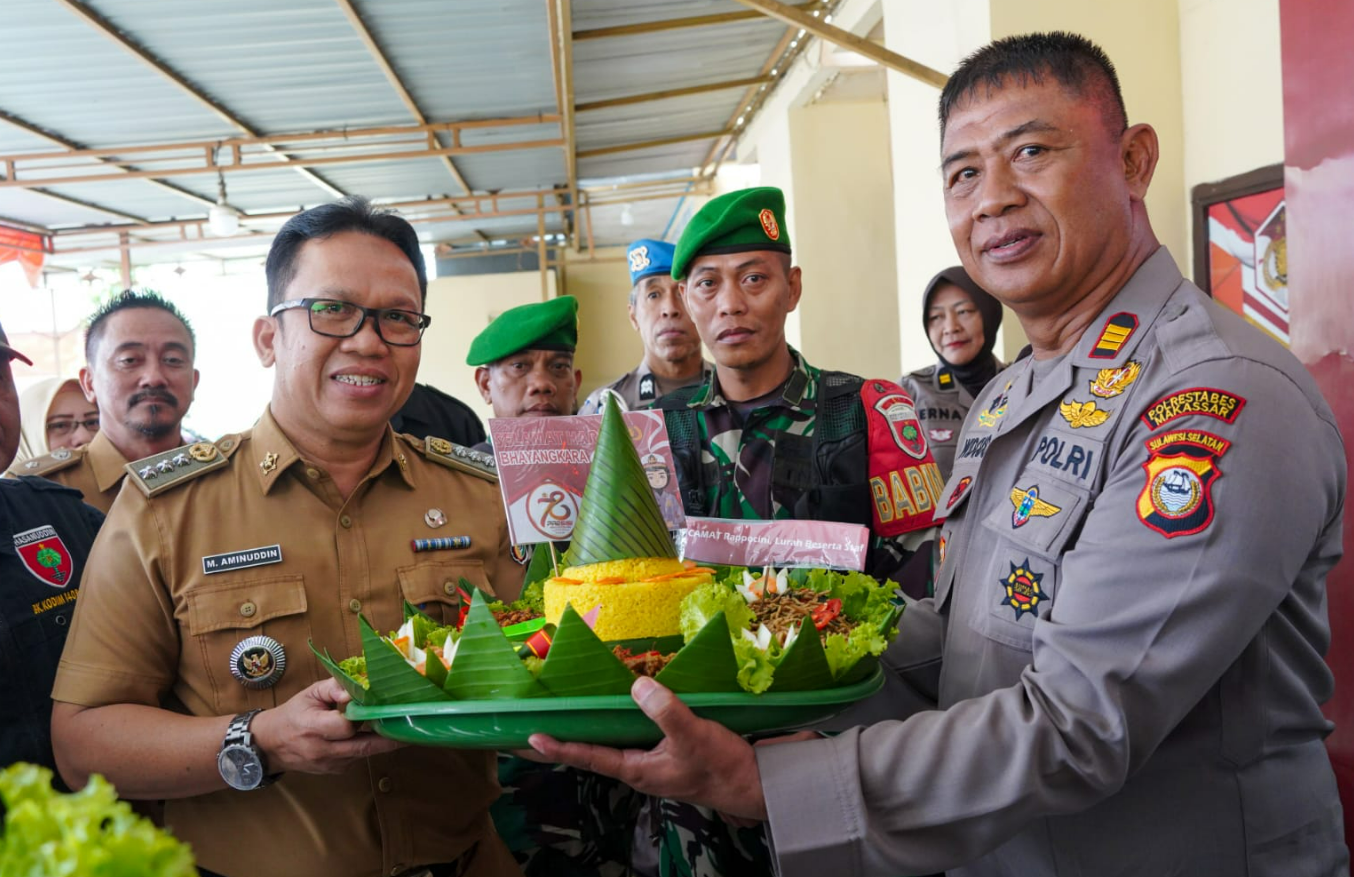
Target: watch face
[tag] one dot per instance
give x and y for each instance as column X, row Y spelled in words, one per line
column 240, row 767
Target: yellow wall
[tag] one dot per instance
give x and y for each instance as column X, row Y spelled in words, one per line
column 772, row 151
column 1233, row 88
column 1143, row 41
column 938, row 35
column 608, row 345
column 844, row 239
column 461, row 307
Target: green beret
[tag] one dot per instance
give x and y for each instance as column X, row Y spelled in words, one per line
column 547, row 325
column 736, row 222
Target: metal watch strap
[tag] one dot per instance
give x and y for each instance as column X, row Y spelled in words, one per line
column 237, row 732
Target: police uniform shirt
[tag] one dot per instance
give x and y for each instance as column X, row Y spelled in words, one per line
column 1132, row 617
column 45, row 535
column 95, row 469
column 640, row 388
column 942, row 403
column 266, row 546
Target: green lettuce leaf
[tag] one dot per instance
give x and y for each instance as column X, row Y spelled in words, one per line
column 89, row 832
column 706, row 602
column 843, row 652
column 356, row 667
column 755, row 667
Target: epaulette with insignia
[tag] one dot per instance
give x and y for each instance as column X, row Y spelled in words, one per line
column 159, row 472
column 61, row 458
column 460, row 457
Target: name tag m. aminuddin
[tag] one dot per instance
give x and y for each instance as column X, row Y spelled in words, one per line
column 232, row 560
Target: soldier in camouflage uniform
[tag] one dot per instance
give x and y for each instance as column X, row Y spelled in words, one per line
column 770, row 436
column 556, row 821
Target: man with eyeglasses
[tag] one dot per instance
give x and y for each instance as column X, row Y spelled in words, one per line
column 139, row 374
column 188, row 675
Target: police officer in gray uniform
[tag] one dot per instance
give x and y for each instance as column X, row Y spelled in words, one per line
column 1129, row 620
column 961, row 323
column 672, row 349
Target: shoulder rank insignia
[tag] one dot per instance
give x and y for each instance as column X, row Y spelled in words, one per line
column 1083, row 414
column 61, row 458
column 159, row 472
column 1115, row 334
column 460, row 457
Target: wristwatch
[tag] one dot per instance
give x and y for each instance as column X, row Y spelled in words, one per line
column 240, row 762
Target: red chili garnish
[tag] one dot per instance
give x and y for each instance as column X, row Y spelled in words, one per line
column 825, row 612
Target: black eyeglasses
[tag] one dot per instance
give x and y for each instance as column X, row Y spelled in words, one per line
column 343, row 319
column 66, row 427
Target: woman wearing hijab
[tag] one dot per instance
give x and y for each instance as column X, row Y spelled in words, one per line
column 55, row 414
column 961, row 322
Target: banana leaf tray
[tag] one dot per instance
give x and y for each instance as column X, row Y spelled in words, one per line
column 612, row 719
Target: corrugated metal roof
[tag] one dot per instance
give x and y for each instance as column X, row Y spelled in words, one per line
column 287, row 66
column 672, row 59
column 673, row 117
column 301, row 66
column 33, row 207
column 58, row 73
column 591, row 14
column 474, row 59
column 642, row 161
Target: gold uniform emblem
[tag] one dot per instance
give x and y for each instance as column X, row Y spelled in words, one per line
column 440, row 445
column 1110, row 382
column 1083, row 414
column 203, row 452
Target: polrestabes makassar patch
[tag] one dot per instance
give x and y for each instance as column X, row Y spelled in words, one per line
column 1208, row 401
column 243, row 559
column 1181, row 467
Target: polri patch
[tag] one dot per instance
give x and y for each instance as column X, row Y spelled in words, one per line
column 232, row 560
column 648, row 388
column 1115, row 334
column 45, row 555
column 940, row 435
column 1177, row 499
column 1208, row 401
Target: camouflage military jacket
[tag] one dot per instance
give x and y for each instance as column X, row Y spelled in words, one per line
column 765, row 464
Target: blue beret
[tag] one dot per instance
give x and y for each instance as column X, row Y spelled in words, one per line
column 648, row 257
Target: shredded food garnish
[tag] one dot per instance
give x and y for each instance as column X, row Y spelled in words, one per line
column 781, row 612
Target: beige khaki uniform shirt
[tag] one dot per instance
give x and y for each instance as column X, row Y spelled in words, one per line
column 153, row 627
column 95, row 469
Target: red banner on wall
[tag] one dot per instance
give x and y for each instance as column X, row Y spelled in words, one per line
column 25, row 247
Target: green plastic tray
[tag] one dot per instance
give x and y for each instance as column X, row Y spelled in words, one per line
column 612, row 720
